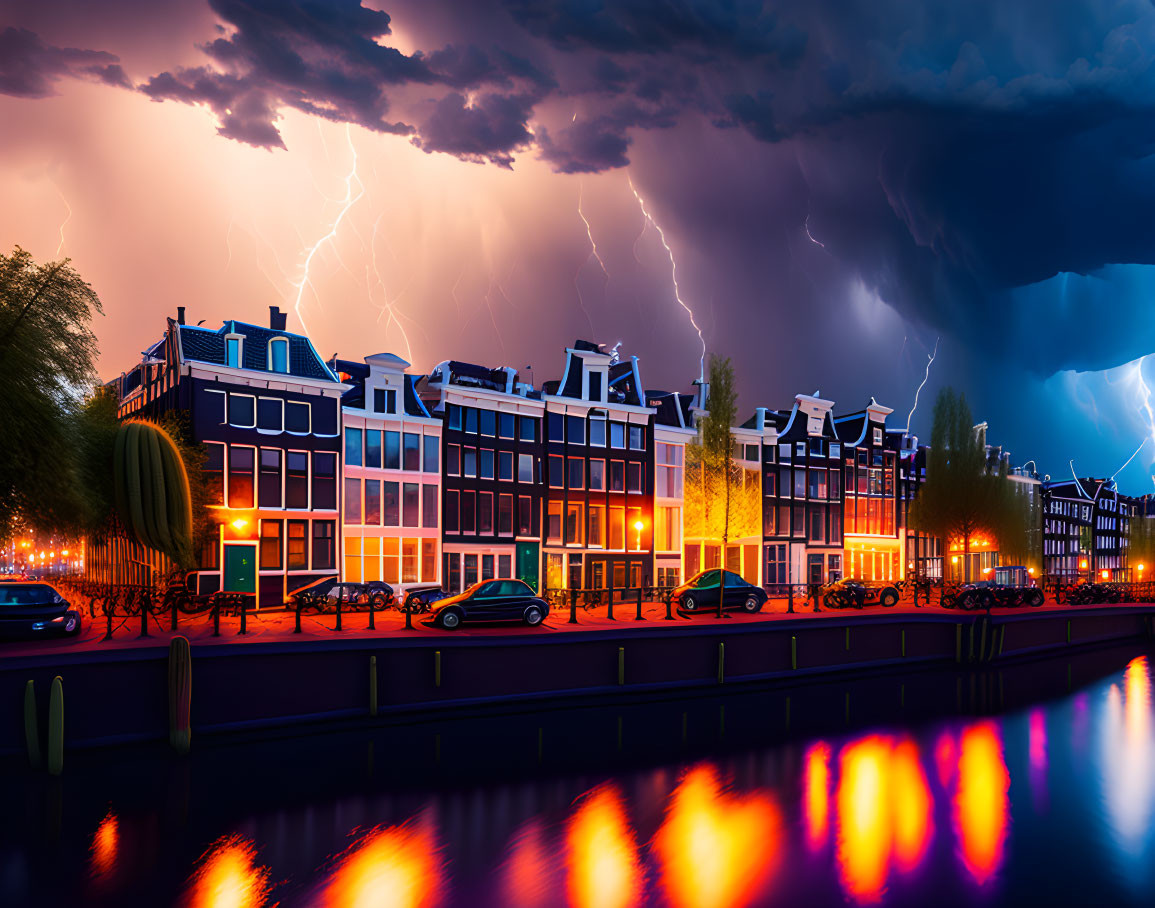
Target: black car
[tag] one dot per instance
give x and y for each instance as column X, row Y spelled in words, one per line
column 325, row 594
column 700, row 593
column 29, row 609
column 854, row 593
column 422, row 598
column 490, row 600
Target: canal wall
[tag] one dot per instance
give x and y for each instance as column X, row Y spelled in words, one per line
column 122, row 696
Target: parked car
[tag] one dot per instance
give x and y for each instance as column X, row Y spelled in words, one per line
column 490, row 601
column 325, row 594
column 851, row 592
column 700, row 593
column 421, row 599
column 29, row 609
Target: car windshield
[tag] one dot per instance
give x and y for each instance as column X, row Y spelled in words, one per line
column 26, row 594
column 707, row 578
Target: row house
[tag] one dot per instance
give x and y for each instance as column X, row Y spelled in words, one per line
column 1086, row 526
column 391, row 521
column 598, row 529
column 491, row 472
column 266, row 409
column 673, row 431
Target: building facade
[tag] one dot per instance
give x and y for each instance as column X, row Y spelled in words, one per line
column 1086, row 528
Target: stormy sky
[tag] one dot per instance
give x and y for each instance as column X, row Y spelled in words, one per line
column 827, row 190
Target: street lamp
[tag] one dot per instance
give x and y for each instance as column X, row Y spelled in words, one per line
column 639, row 526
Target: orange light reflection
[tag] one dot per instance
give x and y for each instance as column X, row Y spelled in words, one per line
column 981, row 800
column 705, row 844
column 911, row 801
column 603, row 866
column 864, row 833
column 816, row 788
column 398, row 866
column 229, row 877
column 105, row 845
column 527, row 874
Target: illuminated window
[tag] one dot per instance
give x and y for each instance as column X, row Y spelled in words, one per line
column 270, row 545
column 297, row 554
column 573, row 523
column 241, row 465
column 596, row 538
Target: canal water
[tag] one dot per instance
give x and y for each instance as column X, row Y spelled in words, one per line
column 1051, row 804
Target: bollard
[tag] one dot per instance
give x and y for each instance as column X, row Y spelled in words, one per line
column 790, row 604
column 639, row 615
column 721, row 663
column 1002, row 638
column 610, row 605
column 372, row 683
column 56, row 727
column 903, row 650
column 794, row 652
column 1068, row 630
column 145, row 600
column 437, row 668
column 669, row 606
column 31, row 725
column 621, row 665
column 338, row 613
column 244, row 614
column 814, row 596
column 179, row 694
column 172, row 623
column 408, row 609
column 216, row 615
column 108, row 617
column 297, row 625
column 372, row 623
column 573, row 607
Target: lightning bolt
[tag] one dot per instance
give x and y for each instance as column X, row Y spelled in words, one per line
column 1143, row 395
column 929, row 361
column 590, row 234
column 673, row 275
column 811, row 235
column 350, row 199
column 388, row 308
column 64, row 223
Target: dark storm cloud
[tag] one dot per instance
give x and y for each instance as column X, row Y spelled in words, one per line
column 29, row 68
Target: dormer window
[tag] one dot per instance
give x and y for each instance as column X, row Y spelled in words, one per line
column 594, row 385
column 279, row 354
column 233, row 344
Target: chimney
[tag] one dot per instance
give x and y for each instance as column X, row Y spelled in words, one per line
column 277, row 318
column 180, row 315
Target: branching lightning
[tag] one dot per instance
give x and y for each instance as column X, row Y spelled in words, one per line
column 1146, row 410
column 387, row 309
column 811, row 235
column 929, row 362
column 590, row 234
column 64, row 223
column 673, row 276
column 350, row 199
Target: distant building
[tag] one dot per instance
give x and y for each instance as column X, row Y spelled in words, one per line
column 1086, row 525
column 673, row 431
column 391, row 476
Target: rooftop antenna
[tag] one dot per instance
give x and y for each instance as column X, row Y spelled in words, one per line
column 614, row 358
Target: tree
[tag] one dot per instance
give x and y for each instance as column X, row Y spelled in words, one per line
column 960, row 497
column 1141, row 545
column 47, row 363
column 721, row 500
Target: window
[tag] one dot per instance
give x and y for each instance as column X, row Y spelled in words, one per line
column 750, row 452
column 279, row 355
column 669, row 470
column 353, row 442
column 297, row 555
column 799, row 524
column 505, row 465
column 598, row 431
column 776, row 564
column 769, row 527
column 372, row 448
column 213, row 405
column 373, row 502
column 524, row 516
column 352, row 501
column 553, row 522
column 428, row 560
column 296, row 479
column 324, row 481
column 241, row 477
column 453, row 460
column 800, row 483
column 527, row 428
column 597, row 527
column 634, row 477
column 468, row 571
column 575, row 429
column 668, row 529
column 637, row 438
column 470, row 420
column 594, row 383
column 242, row 411
column 817, row 484
column 297, row 418
column 505, row 425
column 573, row 523
column 835, row 487
column 556, row 468
column 783, row 452
column 451, row 512
column 835, row 453
column 324, row 551
column 270, row 414
column 410, row 515
column 390, row 549
column 487, row 420
column 430, row 453
column 487, row 574
column 504, row 515
column 233, row 351
column 555, row 427
column 617, row 531
column 635, row 536
column 817, row 524
column 525, row 468
column 877, row 435
column 505, row 569
column 269, row 481
column 392, row 456
column 816, row 447
column 770, row 484
column 469, row 512
column 617, row 476
column 597, row 475
column 412, row 451
column 800, row 449
column 214, row 470
column 617, row 435
column 270, row 545
column 455, row 417
column 469, row 462
column 835, row 525
column 577, row 473
column 486, row 463
column 390, row 504
column 379, row 400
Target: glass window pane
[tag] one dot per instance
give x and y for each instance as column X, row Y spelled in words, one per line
column 353, row 454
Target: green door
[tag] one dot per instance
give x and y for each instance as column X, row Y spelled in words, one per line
column 240, row 569
column 527, row 563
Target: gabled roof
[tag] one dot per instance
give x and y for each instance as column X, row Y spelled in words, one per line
column 673, row 408
column 208, row 346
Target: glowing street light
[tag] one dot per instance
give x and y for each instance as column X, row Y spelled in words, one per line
column 240, row 523
column 1103, row 573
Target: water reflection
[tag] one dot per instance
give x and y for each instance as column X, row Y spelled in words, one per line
column 604, row 869
column 105, row 845
column 981, row 800
column 911, row 802
column 816, row 795
column 717, row 849
column 229, row 877
column 397, row 866
column 1037, row 752
column 527, row 874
